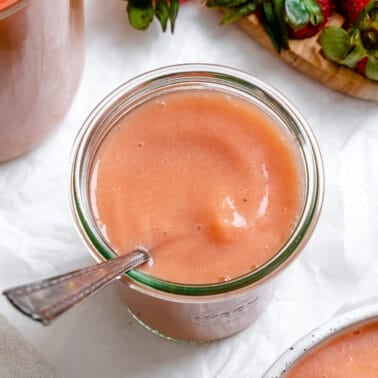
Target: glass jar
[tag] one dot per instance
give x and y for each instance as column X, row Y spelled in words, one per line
column 182, row 311
column 41, row 60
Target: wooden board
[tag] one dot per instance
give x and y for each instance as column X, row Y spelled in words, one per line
column 305, row 56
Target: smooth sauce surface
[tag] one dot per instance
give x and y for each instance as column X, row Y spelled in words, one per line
column 350, row 355
column 6, row 3
column 206, row 181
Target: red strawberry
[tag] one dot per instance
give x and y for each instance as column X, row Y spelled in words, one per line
column 356, row 47
column 360, row 67
column 350, row 9
column 309, row 30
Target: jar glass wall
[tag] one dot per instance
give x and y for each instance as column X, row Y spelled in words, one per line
column 41, row 60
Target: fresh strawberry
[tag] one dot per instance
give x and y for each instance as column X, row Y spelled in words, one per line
column 327, row 7
column 350, row 9
column 357, row 46
column 360, row 67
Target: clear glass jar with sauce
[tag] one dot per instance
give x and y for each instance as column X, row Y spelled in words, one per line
column 41, row 60
column 196, row 312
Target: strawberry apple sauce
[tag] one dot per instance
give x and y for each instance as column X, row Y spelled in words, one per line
column 4, row 4
column 206, row 181
column 41, row 58
column 352, row 354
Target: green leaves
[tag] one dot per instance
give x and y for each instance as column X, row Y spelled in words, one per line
column 357, row 45
column 273, row 17
column 234, row 9
column 347, row 49
column 314, row 10
column 372, row 68
column 162, row 13
column 301, row 12
column 272, row 14
column 336, row 43
column 357, row 52
column 226, row 3
column 236, row 13
column 173, row 12
column 342, row 47
column 296, row 12
column 141, row 13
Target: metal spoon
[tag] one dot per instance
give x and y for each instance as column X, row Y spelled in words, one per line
column 47, row 299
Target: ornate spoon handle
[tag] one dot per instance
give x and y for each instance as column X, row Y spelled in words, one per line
column 45, row 300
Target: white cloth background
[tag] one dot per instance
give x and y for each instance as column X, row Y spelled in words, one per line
column 99, row 338
column 18, row 358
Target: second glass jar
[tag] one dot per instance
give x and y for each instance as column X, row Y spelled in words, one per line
column 41, row 60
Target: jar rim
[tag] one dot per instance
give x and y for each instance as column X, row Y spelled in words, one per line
column 190, row 73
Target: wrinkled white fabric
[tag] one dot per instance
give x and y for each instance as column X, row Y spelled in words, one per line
column 337, row 269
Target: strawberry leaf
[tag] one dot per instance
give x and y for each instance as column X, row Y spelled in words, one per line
column 269, row 25
column 301, row 12
column 173, row 11
column 225, row 3
column 162, row 13
column 235, row 13
column 140, row 13
column 336, row 43
column 314, row 11
column 372, row 68
column 279, row 13
column 296, row 13
column 354, row 56
column 273, row 22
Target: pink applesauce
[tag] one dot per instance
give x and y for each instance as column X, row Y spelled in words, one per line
column 351, row 355
column 4, row 4
column 207, row 182
column 41, row 58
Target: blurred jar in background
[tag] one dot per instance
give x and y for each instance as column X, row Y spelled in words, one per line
column 41, row 60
